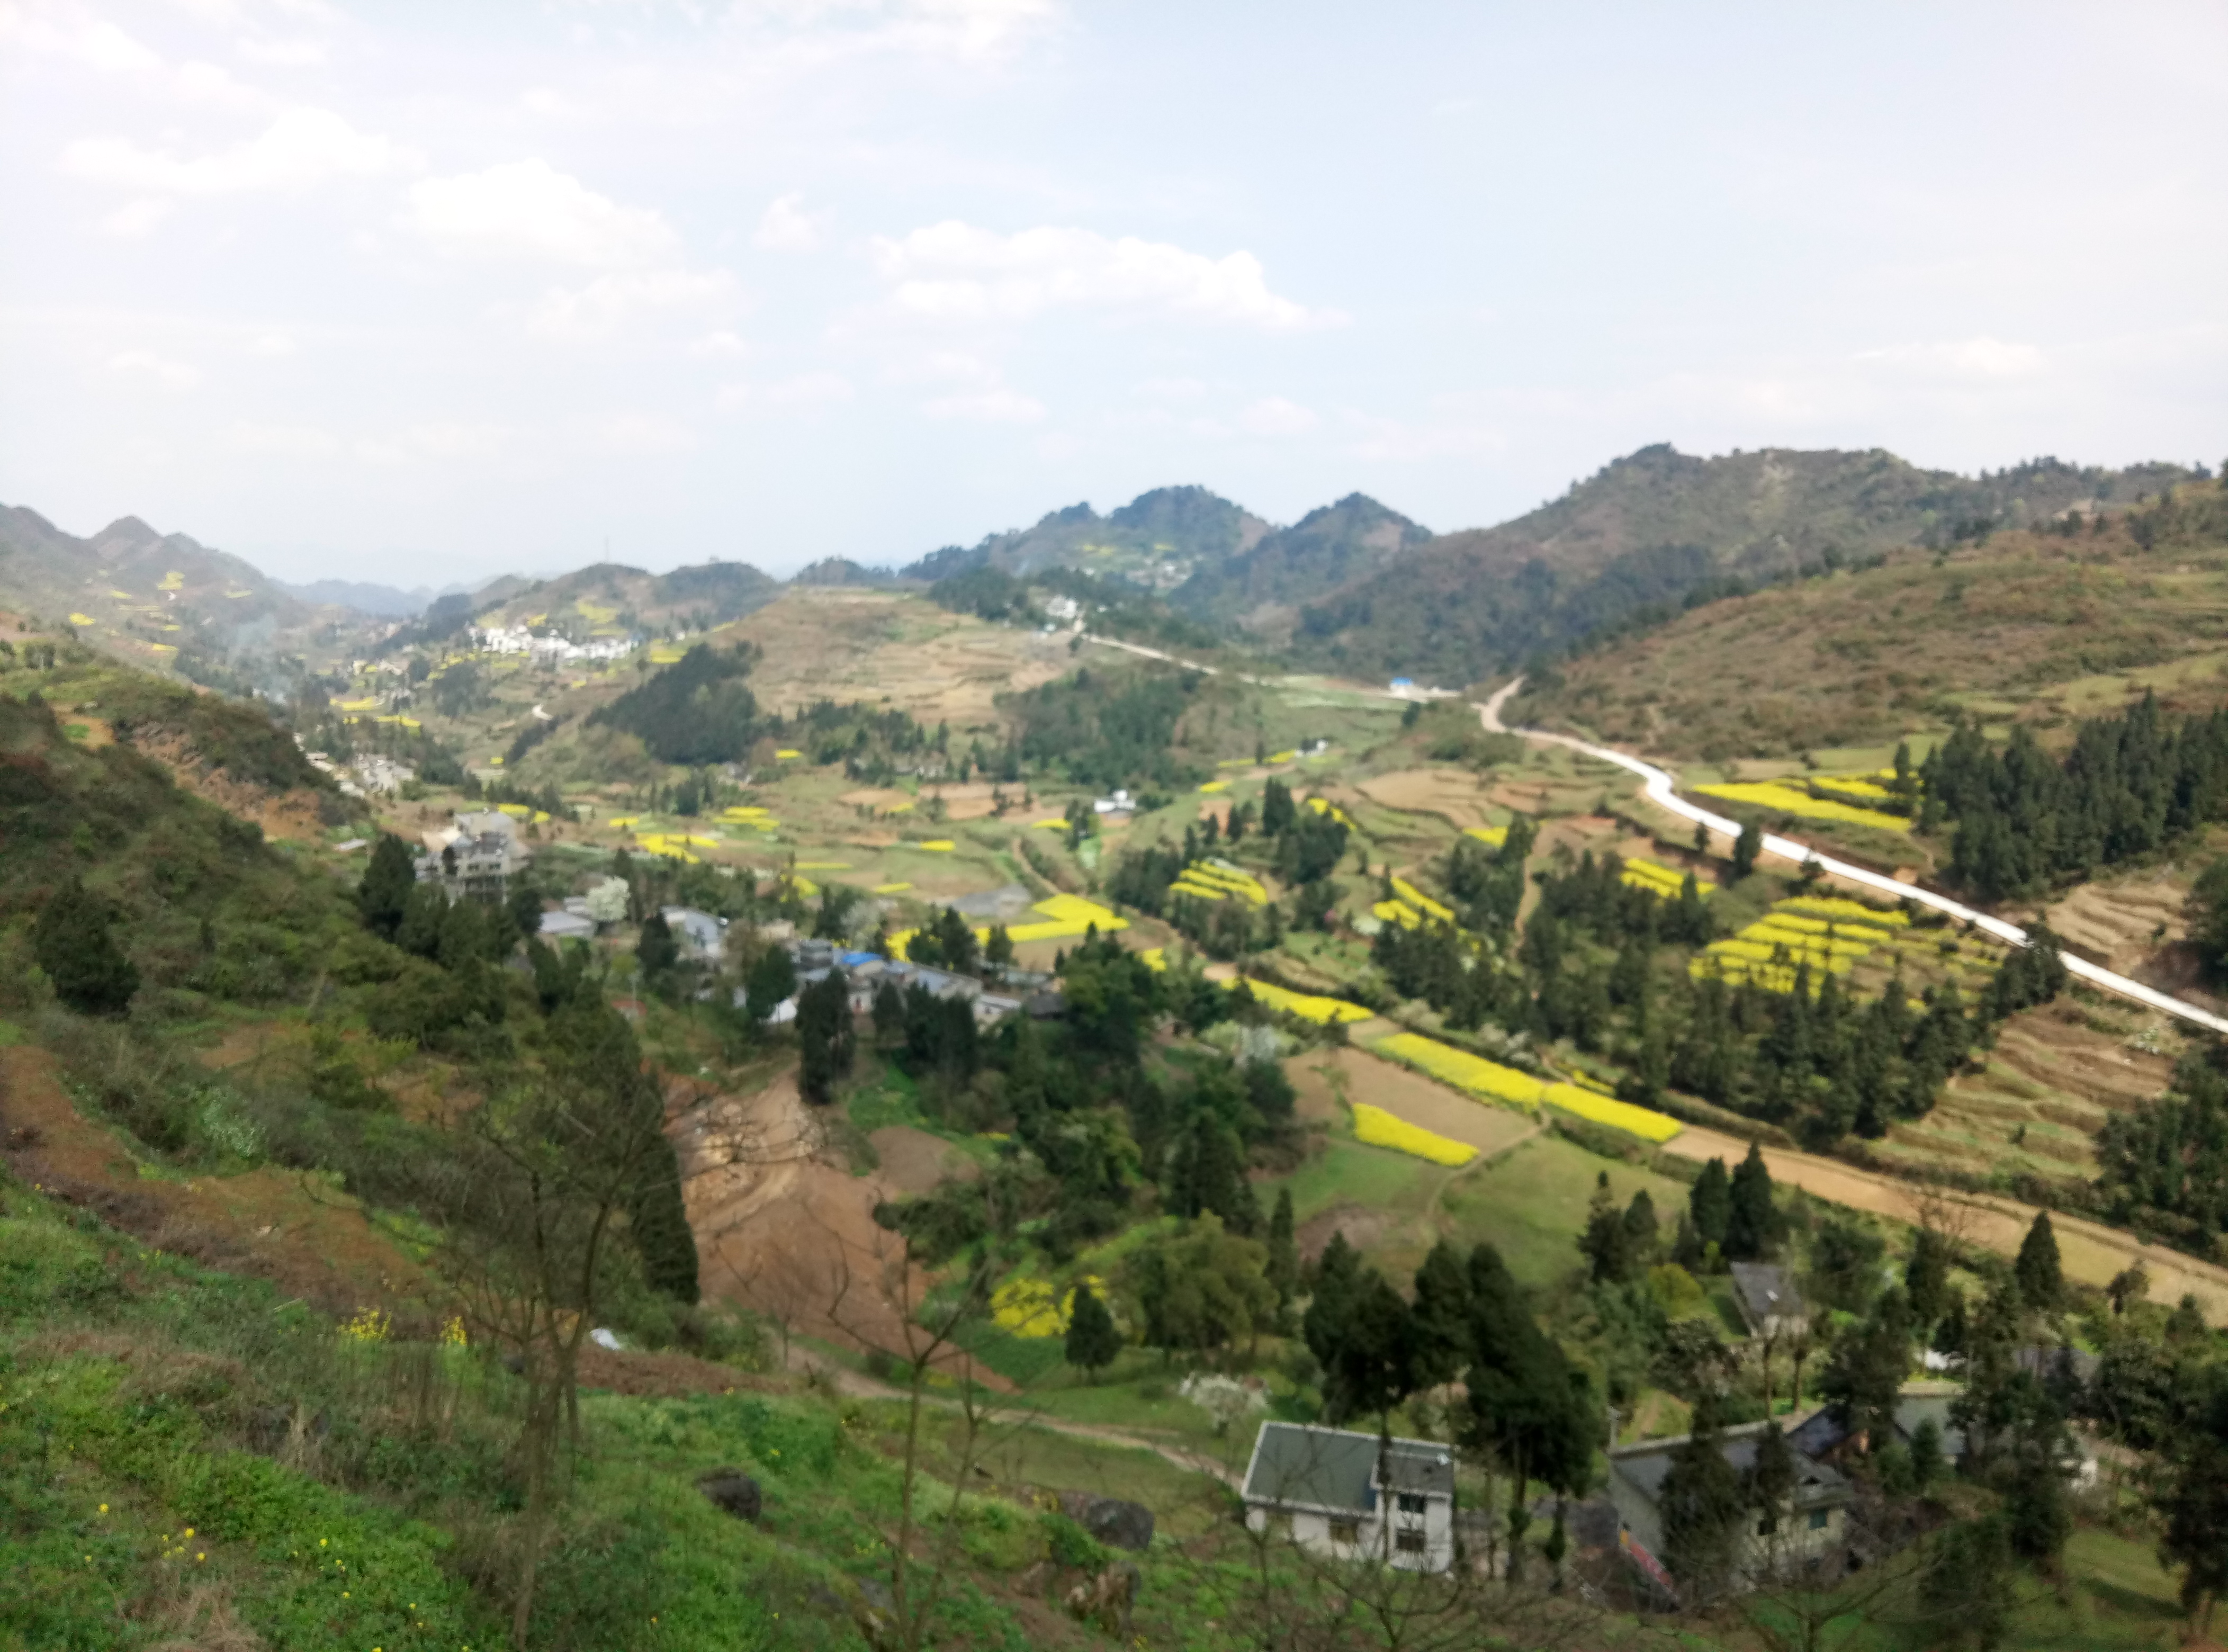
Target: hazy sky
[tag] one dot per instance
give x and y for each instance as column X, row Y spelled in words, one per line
column 425, row 291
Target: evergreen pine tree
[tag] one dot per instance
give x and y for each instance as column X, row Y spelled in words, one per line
column 1926, row 1278
column 1770, row 1480
column 773, row 978
column 1711, row 1204
column 1704, row 1507
column 1283, row 1267
column 1603, row 1243
column 657, row 952
column 2041, row 1280
column 1442, row 1316
column 1746, row 848
column 1752, row 1220
column 824, row 1036
column 72, row 943
column 1093, row 1340
column 387, row 881
column 423, row 914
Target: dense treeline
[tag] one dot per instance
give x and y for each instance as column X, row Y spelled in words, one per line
column 2163, row 1166
column 2130, row 785
column 1302, row 848
column 1105, row 729
column 1589, row 965
column 1101, row 1128
column 697, row 710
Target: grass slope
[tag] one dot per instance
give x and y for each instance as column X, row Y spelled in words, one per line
column 2034, row 625
column 1652, row 527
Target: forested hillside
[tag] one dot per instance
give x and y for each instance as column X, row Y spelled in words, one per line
column 2039, row 624
column 1651, row 529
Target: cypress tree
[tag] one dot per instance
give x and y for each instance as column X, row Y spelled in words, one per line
column 1704, row 1506
column 1710, row 1205
column 657, row 952
column 72, row 943
column 2041, row 1280
column 1283, row 1267
column 773, row 979
column 424, row 910
column 1093, row 1340
column 1442, row 1316
column 387, row 881
column 1752, row 1221
column 824, row 1036
column 1746, row 848
column 1926, row 1277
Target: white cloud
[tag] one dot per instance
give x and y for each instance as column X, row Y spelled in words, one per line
column 137, row 218
column 301, row 148
column 282, row 441
column 785, row 226
column 282, row 53
column 644, row 434
column 610, row 302
column 1172, row 389
column 1966, row 358
column 528, row 209
column 145, row 364
column 999, row 406
column 805, row 390
column 270, row 344
column 1275, row 416
column 722, row 342
column 953, row 272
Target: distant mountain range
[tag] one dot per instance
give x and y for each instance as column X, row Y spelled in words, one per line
column 148, row 596
column 1211, row 560
column 1353, row 586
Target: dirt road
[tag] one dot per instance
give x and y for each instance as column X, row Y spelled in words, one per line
column 2091, row 1252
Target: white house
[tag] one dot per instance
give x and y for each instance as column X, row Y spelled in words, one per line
column 703, row 938
column 1353, row 1495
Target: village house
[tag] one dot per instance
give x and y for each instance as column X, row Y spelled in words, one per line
column 702, row 937
column 1813, row 1522
column 476, row 855
column 1353, row 1496
column 1768, row 1302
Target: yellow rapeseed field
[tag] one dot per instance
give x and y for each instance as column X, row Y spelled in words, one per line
column 1378, row 1127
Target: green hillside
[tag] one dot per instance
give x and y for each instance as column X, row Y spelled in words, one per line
column 1261, row 586
column 162, row 601
column 1658, row 525
column 2037, row 625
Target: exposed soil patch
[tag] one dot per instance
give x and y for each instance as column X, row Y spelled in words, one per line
column 783, row 1228
column 310, row 1239
column 1365, row 1229
column 913, row 1161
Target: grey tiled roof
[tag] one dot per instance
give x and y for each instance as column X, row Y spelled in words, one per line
column 1332, row 1468
column 1645, row 1462
column 1765, row 1290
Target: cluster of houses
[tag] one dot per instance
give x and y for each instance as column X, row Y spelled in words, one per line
column 1353, row 1496
column 1030, row 992
column 556, row 651
column 702, row 939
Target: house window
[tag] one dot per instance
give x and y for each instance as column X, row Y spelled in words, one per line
column 1346, row 1530
column 1818, row 1518
column 1411, row 1502
column 1408, row 1542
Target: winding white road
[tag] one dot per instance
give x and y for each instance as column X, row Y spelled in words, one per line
column 1661, row 791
